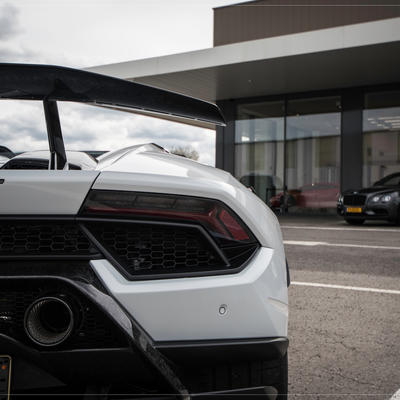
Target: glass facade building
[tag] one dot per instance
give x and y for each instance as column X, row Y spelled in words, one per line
column 290, row 150
column 310, row 94
column 381, row 136
column 259, row 147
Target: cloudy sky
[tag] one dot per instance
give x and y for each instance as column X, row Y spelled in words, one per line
column 83, row 33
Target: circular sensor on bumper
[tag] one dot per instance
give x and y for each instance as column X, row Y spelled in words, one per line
column 49, row 321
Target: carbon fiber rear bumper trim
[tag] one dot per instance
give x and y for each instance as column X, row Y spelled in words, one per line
column 141, row 344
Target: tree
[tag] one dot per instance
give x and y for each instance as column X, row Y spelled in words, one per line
column 185, row 151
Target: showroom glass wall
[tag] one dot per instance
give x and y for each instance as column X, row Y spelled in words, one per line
column 292, row 144
column 381, row 136
column 259, row 147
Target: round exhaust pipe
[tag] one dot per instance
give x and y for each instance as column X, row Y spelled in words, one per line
column 49, row 321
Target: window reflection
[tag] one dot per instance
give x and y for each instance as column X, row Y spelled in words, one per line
column 381, row 136
column 259, row 147
column 313, row 152
column 308, row 163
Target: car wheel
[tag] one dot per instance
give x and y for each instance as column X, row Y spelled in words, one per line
column 355, row 221
column 241, row 376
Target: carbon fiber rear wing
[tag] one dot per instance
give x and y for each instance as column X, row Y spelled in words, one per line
column 53, row 83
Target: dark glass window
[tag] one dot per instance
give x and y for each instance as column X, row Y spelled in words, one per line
column 312, row 147
column 259, row 147
column 381, row 136
column 313, row 128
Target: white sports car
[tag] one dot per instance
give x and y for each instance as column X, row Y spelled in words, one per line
column 140, row 273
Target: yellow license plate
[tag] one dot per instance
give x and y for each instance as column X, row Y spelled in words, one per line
column 353, row 209
column 5, row 377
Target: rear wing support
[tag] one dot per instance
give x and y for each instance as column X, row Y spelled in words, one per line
column 58, row 157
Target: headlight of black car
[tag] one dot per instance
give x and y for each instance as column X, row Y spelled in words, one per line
column 384, row 198
column 375, row 199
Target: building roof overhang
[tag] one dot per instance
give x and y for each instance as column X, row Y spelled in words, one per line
column 340, row 57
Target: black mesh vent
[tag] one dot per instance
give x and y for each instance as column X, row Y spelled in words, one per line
column 22, row 238
column 354, row 200
column 77, row 270
column 143, row 249
column 239, row 254
column 92, row 329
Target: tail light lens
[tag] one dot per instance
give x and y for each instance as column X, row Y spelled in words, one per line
column 154, row 236
column 221, row 222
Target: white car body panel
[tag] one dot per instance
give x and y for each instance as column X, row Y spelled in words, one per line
column 43, row 192
column 172, row 309
column 188, row 308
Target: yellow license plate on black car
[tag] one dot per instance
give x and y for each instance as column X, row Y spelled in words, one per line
column 5, row 377
column 353, row 209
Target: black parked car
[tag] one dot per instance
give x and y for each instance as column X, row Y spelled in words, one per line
column 381, row 201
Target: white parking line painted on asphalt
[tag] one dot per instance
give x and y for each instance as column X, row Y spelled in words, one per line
column 396, row 396
column 304, row 243
column 356, row 288
column 343, row 229
column 311, row 243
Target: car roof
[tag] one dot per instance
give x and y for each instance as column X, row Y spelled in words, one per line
column 78, row 158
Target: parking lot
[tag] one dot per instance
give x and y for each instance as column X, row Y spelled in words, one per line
column 344, row 324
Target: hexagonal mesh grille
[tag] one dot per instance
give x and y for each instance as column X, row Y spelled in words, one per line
column 151, row 249
column 43, row 238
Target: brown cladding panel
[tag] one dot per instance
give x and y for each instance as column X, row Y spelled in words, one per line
column 268, row 18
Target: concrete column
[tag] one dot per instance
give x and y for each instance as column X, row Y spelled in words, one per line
column 351, row 140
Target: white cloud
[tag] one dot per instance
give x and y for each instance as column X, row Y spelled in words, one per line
column 88, row 127
column 22, row 127
column 8, row 21
column 9, row 29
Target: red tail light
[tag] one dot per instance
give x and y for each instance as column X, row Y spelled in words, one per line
column 213, row 215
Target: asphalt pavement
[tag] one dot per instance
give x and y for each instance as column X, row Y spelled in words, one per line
column 344, row 322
